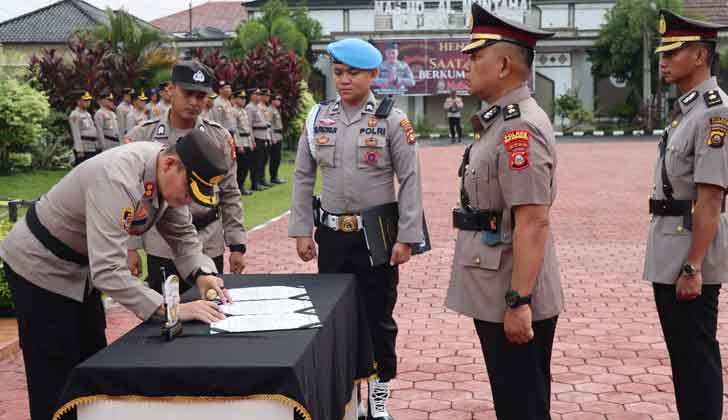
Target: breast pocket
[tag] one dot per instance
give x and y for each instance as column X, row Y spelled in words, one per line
column 372, row 152
column 476, row 255
column 679, row 159
column 325, row 150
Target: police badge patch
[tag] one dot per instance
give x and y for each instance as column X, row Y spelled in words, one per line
column 127, row 217
column 161, row 131
column 409, row 132
column 148, row 189
column 516, row 143
column 716, row 138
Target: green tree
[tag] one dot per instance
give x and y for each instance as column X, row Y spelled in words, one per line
column 570, row 106
column 721, row 70
column 22, row 113
column 619, row 47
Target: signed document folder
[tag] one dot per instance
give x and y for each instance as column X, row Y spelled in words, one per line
column 380, row 231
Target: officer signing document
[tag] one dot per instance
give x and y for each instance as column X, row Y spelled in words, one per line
column 72, row 246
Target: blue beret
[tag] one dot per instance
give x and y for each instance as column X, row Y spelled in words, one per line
column 355, row 53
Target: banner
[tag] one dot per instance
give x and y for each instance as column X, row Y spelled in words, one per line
column 421, row 67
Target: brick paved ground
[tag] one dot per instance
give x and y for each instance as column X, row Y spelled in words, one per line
column 609, row 358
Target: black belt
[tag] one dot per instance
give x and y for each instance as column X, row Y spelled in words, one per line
column 88, row 138
column 53, row 244
column 201, row 222
column 671, row 207
column 278, row 131
column 244, row 134
column 478, row 220
column 260, row 128
column 112, row 138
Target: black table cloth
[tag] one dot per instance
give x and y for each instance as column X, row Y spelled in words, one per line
column 312, row 370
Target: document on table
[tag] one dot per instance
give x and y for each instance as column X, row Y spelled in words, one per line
column 266, row 293
column 265, row 307
column 267, row 322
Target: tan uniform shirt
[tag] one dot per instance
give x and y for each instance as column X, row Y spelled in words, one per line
column 107, row 128
column 134, row 118
column 243, row 135
column 512, row 164
column 267, row 115
column 223, row 113
column 154, row 111
column 83, row 131
column 257, row 122
column 93, row 210
column 276, row 124
column 358, row 160
column 206, row 114
column 216, row 235
column 163, row 107
column 453, row 107
column 121, row 113
column 696, row 154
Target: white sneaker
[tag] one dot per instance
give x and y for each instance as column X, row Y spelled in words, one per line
column 378, row 396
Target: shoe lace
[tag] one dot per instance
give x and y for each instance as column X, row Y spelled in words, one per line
column 380, row 394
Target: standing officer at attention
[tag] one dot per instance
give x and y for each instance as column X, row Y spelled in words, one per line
column 687, row 246
column 277, row 139
column 191, row 83
column 85, row 137
column 261, row 137
column 107, row 127
column 123, row 109
column 71, row 247
column 138, row 113
column 505, row 272
column 165, row 97
column 265, row 111
column 244, row 144
column 222, row 109
column 360, row 146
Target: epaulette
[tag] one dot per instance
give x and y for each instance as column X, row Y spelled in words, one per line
column 326, row 102
column 712, row 98
column 149, row 122
column 511, row 111
column 212, row 123
column 385, row 107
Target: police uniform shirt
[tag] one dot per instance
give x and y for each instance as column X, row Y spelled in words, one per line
column 257, row 122
column 276, row 124
column 206, row 114
column 95, row 208
column 358, row 160
column 403, row 77
column 267, row 115
column 121, row 116
column 134, row 118
column 222, row 113
column 453, row 107
column 696, row 154
column 83, row 131
column 216, row 235
column 107, row 128
column 163, row 107
column 513, row 163
column 243, row 136
column 154, row 111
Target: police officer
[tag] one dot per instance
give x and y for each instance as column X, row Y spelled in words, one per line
column 454, row 106
column 107, row 127
column 359, row 145
column 191, row 83
column 154, row 110
column 260, row 134
column 687, row 246
column 222, row 109
column 83, row 130
column 207, row 108
column 505, row 273
column 276, row 139
column 71, row 247
column 165, row 97
column 394, row 74
column 138, row 114
column 265, row 111
column 244, row 144
column 123, row 109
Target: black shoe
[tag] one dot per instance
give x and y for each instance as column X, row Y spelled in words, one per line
column 278, row 181
column 259, row 188
column 460, row 140
column 266, row 184
column 246, row 192
column 452, row 141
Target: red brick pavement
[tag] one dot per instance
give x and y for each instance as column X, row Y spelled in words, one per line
column 609, row 359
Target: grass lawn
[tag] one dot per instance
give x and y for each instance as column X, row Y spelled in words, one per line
column 28, row 185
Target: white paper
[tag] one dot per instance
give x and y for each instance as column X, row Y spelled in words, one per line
column 265, row 292
column 265, row 307
column 270, row 322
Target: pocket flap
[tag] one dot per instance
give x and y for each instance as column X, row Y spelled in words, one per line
column 373, row 142
column 474, row 253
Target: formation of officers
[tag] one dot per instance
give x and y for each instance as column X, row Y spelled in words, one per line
column 256, row 126
column 174, row 191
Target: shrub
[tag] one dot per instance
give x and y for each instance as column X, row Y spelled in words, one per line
column 6, row 301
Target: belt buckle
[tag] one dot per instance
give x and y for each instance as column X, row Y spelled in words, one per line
column 348, row 224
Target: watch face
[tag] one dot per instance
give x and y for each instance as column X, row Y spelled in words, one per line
column 688, row 269
column 512, row 298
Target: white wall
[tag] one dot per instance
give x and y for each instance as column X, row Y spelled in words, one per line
column 554, row 15
column 561, row 77
column 590, row 16
column 361, row 20
column 331, row 20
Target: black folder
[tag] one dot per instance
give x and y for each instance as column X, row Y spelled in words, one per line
column 380, row 231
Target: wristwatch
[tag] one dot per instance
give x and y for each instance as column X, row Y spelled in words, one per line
column 514, row 300
column 689, row 270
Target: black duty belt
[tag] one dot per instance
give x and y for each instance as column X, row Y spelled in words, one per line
column 671, row 207
column 53, row 244
column 112, row 138
column 243, row 134
column 477, row 220
column 89, row 138
column 278, row 131
column 265, row 127
column 205, row 220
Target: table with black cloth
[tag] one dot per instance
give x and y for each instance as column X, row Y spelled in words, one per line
column 311, row 370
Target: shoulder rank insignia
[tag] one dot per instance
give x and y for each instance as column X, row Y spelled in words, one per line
column 149, row 122
column 689, row 98
column 369, row 108
column 511, row 111
column 334, row 108
column 490, row 114
column 712, row 98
